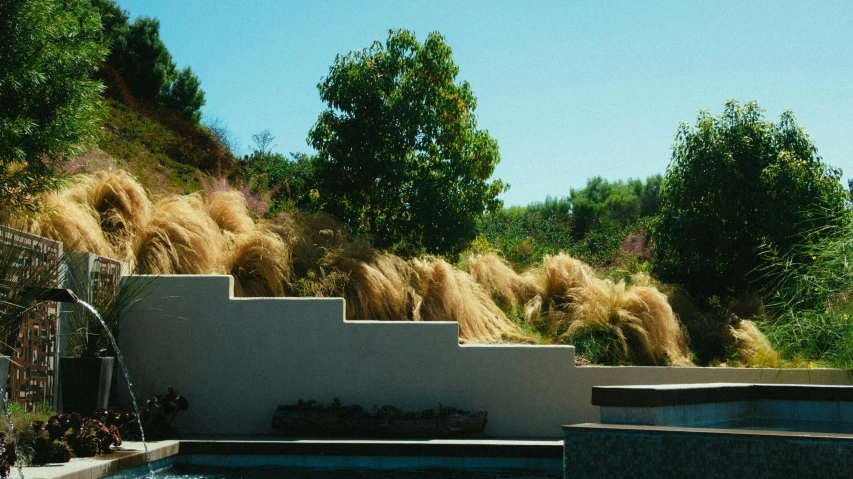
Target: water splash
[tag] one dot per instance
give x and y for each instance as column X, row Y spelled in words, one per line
column 126, row 377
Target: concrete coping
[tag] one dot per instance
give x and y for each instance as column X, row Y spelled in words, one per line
column 658, row 395
column 639, row 429
column 485, row 448
column 129, row 455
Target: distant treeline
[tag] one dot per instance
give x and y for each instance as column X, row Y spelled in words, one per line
column 597, row 223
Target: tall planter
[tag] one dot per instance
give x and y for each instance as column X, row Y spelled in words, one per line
column 5, row 361
column 85, row 383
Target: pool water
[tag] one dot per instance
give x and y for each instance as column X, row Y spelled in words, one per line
column 336, row 467
column 190, row 471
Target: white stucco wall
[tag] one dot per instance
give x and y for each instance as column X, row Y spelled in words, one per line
column 236, row 359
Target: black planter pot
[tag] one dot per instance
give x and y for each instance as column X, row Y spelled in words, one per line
column 85, row 383
column 5, row 362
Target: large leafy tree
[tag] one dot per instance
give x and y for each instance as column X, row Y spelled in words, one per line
column 48, row 101
column 737, row 181
column 400, row 157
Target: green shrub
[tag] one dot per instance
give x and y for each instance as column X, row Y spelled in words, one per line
column 810, row 295
column 737, row 181
column 592, row 223
column 524, row 235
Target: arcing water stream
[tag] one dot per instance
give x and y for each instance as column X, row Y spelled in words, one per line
column 126, row 377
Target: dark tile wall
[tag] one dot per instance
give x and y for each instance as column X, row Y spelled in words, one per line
column 610, row 453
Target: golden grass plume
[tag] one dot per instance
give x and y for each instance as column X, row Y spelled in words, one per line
column 68, row 216
column 563, row 273
column 180, row 238
column 753, row 347
column 552, row 282
column 668, row 340
column 602, row 306
column 647, row 330
column 378, row 286
column 450, row 294
column 230, row 211
column 260, row 263
column 507, row 288
column 123, row 209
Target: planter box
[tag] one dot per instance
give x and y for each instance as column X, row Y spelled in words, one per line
column 298, row 420
column 85, row 383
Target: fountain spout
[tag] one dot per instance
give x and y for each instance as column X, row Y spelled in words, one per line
column 59, row 295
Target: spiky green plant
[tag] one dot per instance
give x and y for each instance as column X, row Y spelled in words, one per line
column 810, row 297
column 23, row 434
column 87, row 336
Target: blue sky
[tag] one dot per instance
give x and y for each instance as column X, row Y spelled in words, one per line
column 570, row 90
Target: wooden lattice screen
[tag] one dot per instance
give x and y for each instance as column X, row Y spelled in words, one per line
column 32, row 372
column 106, row 276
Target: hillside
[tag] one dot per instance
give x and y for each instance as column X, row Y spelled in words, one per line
column 147, row 195
column 143, row 147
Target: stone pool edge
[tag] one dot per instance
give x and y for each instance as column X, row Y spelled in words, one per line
column 130, row 455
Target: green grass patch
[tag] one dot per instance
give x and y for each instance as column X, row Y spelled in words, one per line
column 148, row 150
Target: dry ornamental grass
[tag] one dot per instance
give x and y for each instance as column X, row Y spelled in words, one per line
column 450, row 294
column 753, row 348
column 260, row 263
column 507, row 288
column 112, row 215
column 180, row 238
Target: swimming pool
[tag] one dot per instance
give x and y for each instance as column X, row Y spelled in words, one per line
column 335, row 467
column 282, row 458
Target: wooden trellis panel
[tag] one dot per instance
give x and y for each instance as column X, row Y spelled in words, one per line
column 32, row 375
column 32, row 372
column 108, row 279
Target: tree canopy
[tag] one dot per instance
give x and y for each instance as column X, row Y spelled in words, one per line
column 146, row 65
column 399, row 155
column 289, row 182
column 48, row 101
column 185, row 95
column 139, row 55
column 737, row 181
column 604, row 205
column 115, row 27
